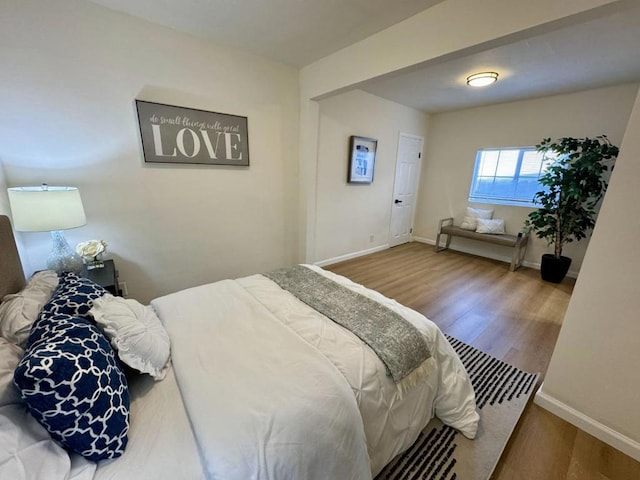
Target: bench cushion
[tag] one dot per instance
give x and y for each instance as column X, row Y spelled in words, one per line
column 504, row 240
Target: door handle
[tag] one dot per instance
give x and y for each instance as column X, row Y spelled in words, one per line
column 397, row 201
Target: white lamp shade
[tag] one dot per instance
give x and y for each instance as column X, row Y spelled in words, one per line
column 46, row 209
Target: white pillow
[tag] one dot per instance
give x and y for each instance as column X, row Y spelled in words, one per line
column 495, row 226
column 469, row 223
column 19, row 310
column 135, row 332
column 479, row 212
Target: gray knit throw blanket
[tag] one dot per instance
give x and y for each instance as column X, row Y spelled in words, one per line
column 399, row 344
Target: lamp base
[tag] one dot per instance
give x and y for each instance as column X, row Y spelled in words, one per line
column 62, row 258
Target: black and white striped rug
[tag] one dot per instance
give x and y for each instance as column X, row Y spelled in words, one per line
column 441, row 453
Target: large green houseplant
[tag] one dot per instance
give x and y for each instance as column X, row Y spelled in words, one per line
column 573, row 185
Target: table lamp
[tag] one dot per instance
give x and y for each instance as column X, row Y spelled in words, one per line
column 50, row 209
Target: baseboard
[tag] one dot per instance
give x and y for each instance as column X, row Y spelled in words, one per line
column 423, row 240
column 491, row 255
column 609, row 436
column 349, row 256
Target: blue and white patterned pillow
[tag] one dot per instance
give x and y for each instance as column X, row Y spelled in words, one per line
column 74, row 386
column 74, row 296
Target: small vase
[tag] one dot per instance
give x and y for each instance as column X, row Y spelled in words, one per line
column 62, row 258
column 93, row 263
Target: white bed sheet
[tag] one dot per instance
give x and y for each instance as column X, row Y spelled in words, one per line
column 161, row 443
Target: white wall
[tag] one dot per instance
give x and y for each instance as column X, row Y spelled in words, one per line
column 70, row 73
column 593, row 378
column 455, row 137
column 4, row 198
column 347, row 214
column 5, row 209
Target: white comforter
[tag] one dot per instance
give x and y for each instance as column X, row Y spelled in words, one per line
column 275, row 390
column 263, row 404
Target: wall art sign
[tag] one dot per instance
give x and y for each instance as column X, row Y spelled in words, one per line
column 173, row 134
column 362, row 159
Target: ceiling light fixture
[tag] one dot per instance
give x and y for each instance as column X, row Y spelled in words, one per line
column 482, row 79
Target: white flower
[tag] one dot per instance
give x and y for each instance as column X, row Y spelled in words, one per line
column 91, row 248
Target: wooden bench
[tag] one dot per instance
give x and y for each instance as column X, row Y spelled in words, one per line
column 517, row 242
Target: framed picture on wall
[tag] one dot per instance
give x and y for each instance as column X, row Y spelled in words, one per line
column 362, row 159
column 172, row 134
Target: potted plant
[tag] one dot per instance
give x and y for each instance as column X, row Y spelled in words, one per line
column 573, row 184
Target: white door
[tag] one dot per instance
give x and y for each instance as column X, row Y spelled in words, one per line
column 405, row 188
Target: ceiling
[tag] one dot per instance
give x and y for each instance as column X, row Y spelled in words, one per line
column 295, row 32
column 597, row 52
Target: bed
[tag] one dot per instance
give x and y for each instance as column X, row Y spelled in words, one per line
column 238, row 379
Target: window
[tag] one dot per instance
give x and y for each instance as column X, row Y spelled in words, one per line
column 508, row 176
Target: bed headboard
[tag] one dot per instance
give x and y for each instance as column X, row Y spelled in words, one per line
column 11, row 274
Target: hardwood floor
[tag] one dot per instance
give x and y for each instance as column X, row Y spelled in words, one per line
column 514, row 316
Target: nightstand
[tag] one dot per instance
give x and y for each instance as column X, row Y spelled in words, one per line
column 106, row 277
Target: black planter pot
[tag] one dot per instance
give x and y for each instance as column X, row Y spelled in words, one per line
column 554, row 269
